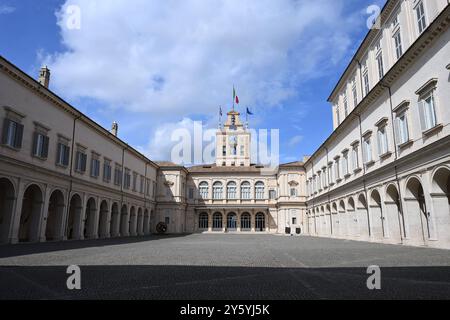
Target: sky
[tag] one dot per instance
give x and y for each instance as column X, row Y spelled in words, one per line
column 155, row 66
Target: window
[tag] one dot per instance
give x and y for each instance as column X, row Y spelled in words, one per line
column 246, row 222
column 63, row 155
column 12, row 134
column 421, row 19
column 355, row 157
column 80, row 161
column 141, row 185
column 402, row 131
column 127, row 179
column 272, row 194
column 40, row 145
column 259, row 190
column 167, row 220
column 153, row 189
column 106, row 170
column 191, row 193
column 337, row 170
column 118, row 175
column 242, row 151
column 367, row 150
column 95, row 166
column 380, row 64
column 398, row 44
column 345, row 164
column 324, row 177
column 330, row 173
column 355, row 94
column 345, row 105
column 203, row 187
column 294, row 221
column 217, row 221
column 293, row 192
column 427, row 112
column 224, row 150
column 319, row 180
column 338, row 115
column 217, row 191
column 366, row 79
column 135, row 178
column 203, row 221
column 383, row 146
column 231, row 190
column 245, row 190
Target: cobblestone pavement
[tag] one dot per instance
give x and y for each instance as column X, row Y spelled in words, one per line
column 222, row 267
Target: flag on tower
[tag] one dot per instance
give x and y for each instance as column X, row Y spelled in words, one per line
column 249, row 112
column 235, row 97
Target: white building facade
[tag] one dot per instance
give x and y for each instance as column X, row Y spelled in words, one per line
column 383, row 174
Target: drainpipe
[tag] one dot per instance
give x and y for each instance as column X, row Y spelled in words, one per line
column 329, row 192
column 70, row 173
column 401, row 219
column 364, row 175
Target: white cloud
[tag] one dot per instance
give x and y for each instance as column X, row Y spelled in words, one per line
column 177, row 59
column 295, row 141
column 183, row 56
column 5, row 9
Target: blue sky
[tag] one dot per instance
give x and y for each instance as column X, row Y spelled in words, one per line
column 160, row 65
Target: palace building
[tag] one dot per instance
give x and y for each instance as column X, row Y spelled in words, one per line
column 383, row 175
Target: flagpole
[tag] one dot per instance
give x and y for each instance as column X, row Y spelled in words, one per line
column 234, row 95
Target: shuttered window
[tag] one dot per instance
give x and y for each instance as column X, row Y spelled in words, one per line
column 80, row 162
column 12, row 134
column 40, row 145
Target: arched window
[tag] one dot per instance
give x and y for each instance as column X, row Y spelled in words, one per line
column 245, row 190
column 231, row 190
column 203, row 187
column 217, row 191
column 259, row 190
column 203, row 221
column 260, row 222
column 246, row 222
column 231, row 221
column 217, row 221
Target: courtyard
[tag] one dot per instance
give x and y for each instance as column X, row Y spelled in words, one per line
column 222, row 266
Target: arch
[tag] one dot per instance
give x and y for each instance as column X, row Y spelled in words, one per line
column 7, row 204
column 55, row 216
column 146, row 221
column 133, row 222
column 259, row 190
column 203, row 221
column 394, row 214
column 218, row 190
column 231, row 221
column 115, row 221
column 203, row 189
column 140, row 222
column 363, row 219
column 441, row 204
column 103, row 225
column 246, row 222
column 245, row 190
column 89, row 219
column 351, row 204
column 260, row 222
column 32, row 204
column 73, row 221
column 217, row 222
column 231, row 190
column 124, row 222
column 376, row 213
column 419, row 218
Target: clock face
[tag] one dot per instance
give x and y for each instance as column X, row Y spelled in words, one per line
column 233, row 140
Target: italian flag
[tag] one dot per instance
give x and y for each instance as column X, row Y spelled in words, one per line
column 235, row 97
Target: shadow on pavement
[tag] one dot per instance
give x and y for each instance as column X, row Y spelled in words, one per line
column 22, row 249
column 223, row 283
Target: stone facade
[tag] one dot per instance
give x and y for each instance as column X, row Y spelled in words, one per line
column 383, row 174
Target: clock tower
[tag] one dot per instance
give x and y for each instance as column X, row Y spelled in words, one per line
column 233, row 143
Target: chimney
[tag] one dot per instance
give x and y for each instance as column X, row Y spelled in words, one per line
column 115, row 128
column 44, row 77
